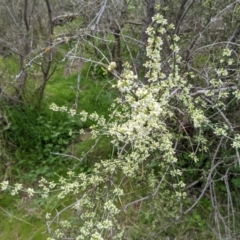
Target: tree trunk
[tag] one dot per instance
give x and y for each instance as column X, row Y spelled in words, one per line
column 117, row 50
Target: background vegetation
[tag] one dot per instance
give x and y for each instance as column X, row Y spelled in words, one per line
column 61, row 52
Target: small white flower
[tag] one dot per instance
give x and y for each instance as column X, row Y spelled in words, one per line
column 83, row 115
column 30, row 192
column 54, row 107
column 62, row 109
column 111, row 66
column 4, row 185
column 227, row 52
column 72, row 112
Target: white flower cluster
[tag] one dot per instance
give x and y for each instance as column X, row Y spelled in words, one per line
column 222, row 72
column 56, row 108
column 236, row 141
column 141, row 132
column 111, row 66
column 221, row 131
column 127, row 82
column 199, row 119
column 83, row 115
column 4, row 185
column 227, row 52
column 111, row 208
column 17, row 187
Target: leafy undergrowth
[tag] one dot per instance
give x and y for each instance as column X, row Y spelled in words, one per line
column 35, row 134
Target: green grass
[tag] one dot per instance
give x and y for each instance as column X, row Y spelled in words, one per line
column 35, row 133
column 95, row 90
column 32, row 138
column 8, row 69
column 23, row 218
column 20, row 219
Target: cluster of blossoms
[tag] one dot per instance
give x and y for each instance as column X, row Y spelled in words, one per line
column 221, row 131
column 16, row 188
column 138, row 131
column 236, row 141
column 111, row 66
column 56, row 108
column 128, row 81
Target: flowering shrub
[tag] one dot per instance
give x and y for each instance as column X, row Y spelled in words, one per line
column 142, row 179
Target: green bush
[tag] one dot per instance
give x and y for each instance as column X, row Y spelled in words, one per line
column 35, row 135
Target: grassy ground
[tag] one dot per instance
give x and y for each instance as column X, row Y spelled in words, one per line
column 87, row 87
column 22, row 218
